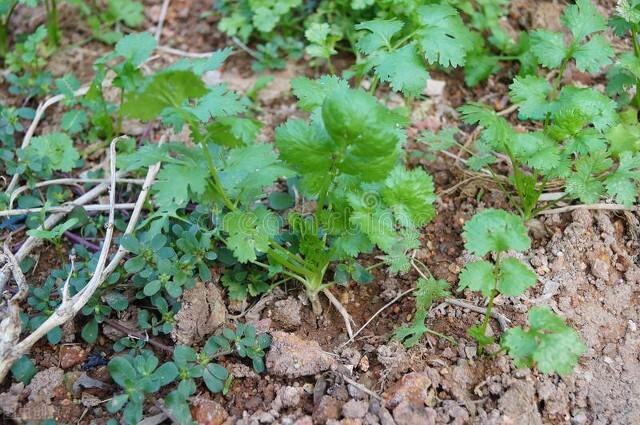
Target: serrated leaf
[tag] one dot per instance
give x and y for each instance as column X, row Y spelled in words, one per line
column 582, row 19
column 548, row 47
column 514, row 277
column 55, row 151
column 444, row 38
column 311, row 93
column 136, row 48
column 380, row 34
column 410, row 194
column 403, row 69
column 549, row 343
column 478, row 276
column 623, row 182
column 495, row 231
column 428, row 291
column 531, row 92
column 166, row 89
column 593, row 55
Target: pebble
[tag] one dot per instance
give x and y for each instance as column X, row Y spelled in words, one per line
column 71, row 355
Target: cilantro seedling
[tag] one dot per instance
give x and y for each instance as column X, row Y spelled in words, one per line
column 495, row 232
column 548, row 343
column 427, row 291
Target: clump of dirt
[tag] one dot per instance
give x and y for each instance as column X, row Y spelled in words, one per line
column 202, row 312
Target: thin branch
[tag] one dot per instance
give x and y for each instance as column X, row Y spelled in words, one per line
column 377, row 313
column 500, row 318
column 183, row 53
column 67, row 208
column 358, row 385
column 161, row 18
column 135, row 214
column 67, row 181
column 599, row 207
column 67, row 310
column 136, row 334
column 343, row 311
column 245, row 48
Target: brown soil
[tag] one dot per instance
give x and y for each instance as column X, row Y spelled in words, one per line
column 587, row 263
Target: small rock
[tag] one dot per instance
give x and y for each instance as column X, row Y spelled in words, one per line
column 289, row 396
column 328, row 408
column 305, row 420
column 287, row 313
column 68, row 332
column 600, row 269
column 71, row 355
column 208, row 412
column 42, row 386
column 519, row 405
column 10, row 400
column 355, row 409
column 412, row 388
column 293, row 357
column 434, row 88
column 408, row 414
column 203, row 311
column 89, row 400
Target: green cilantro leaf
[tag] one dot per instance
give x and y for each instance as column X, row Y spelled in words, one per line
column 403, row 69
column 410, row 195
column 531, row 92
column 593, row 55
column 380, row 33
column 51, row 152
column 478, row 276
column 514, row 277
column 136, row 48
column 410, row 335
column 548, row 343
column 583, row 183
column 582, row 19
column 249, row 232
column 311, row 93
column 168, row 89
column 495, row 231
column 430, row 290
column 444, row 38
column 623, row 183
column 548, row 47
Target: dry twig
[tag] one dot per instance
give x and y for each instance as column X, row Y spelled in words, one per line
column 599, row 207
column 66, row 208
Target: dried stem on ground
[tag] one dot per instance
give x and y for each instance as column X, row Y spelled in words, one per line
column 66, row 208
column 10, row 352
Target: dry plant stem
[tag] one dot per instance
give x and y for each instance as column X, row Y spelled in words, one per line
column 343, row 311
column 135, row 214
column 11, row 325
column 67, row 310
column 136, row 334
column 154, row 420
column 66, row 181
column 359, row 386
column 500, row 318
column 183, row 53
column 163, row 16
column 33, row 242
column 383, row 308
column 67, row 208
column 36, row 120
column 600, row 207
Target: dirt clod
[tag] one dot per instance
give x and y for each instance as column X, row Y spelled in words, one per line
column 203, row 311
column 293, row 357
column 71, row 355
column 208, row 412
column 287, row 313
